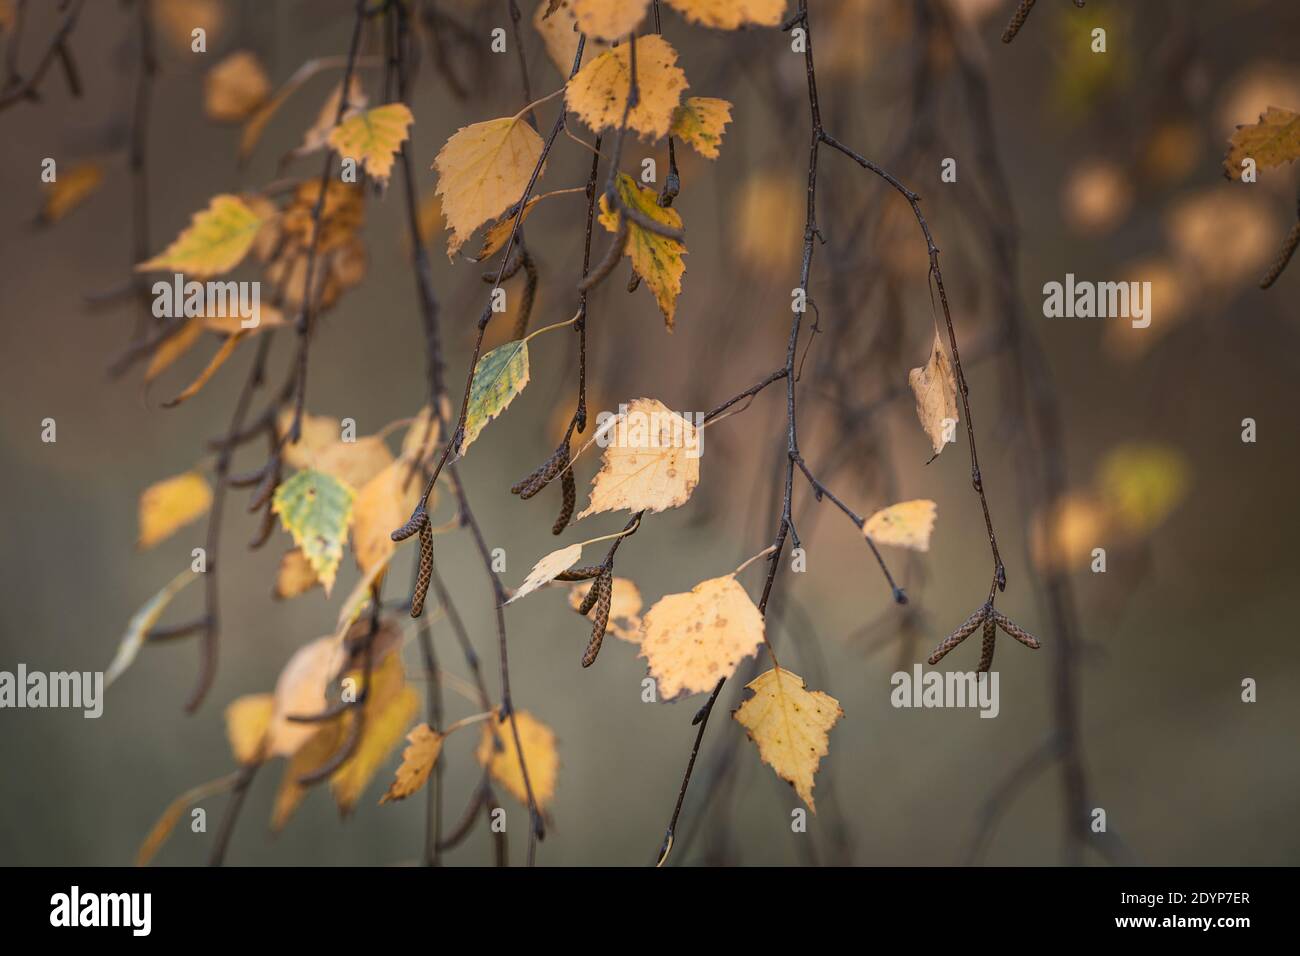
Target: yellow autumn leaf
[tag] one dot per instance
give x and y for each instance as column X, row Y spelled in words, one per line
column 383, row 730
column 178, row 19
column 300, row 691
column 218, row 359
column 323, row 740
column 599, row 92
column 540, row 755
column 624, row 607
column 383, row 503
column 373, row 138
column 356, row 463
column 905, row 525
column 175, row 345
column 651, row 460
column 318, row 133
column 608, row 19
column 294, row 576
column 235, row 87
column 545, row 570
column 248, row 726
column 730, row 14
column 389, row 707
column 499, row 233
column 690, row 640
column 1274, row 140
column 790, row 725
column 72, row 187
column 935, row 389
column 320, row 445
column 171, row 504
column 482, row 171
column 417, row 762
column 699, row 121
column 166, row 823
column 318, row 433
column 216, row 240
column 656, row 259
column 557, row 25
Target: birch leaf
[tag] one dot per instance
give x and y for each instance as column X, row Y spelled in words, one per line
column 300, row 690
column 373, row 138
column 790, row 725
column 608, row 19
column 384, row 728
column 319, row 133
column 599, row 92
column 384, row 503
column 690, row 640
column 699, row 121
column 418, row 759
column 558, row 26
column 315, row 508
column 499, row 376
column 1274, row 140
column 169, row 505
column 501, row 230
column 166, row 823
column 216, row 240
column 248, row 726
column 482, row 171
column 235, row 88
column 730, row 14
column 651, row 461
column 545, row 570
column 656, row 259
column 174, row 346
column 907, row 524
column 218, row 359
column 74, row 185
column 322, row 742
column 294, row 576
column 935, row 389
column 139, row 625
column 539, row 754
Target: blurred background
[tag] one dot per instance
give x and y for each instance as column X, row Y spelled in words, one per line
column 1092, row 434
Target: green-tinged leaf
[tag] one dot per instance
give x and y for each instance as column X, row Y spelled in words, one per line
column 139, row 625
column 700, row 121
column 316, row 508
column 215, row 242
column 499, row 376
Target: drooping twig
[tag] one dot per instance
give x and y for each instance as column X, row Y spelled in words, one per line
column 16, row 92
